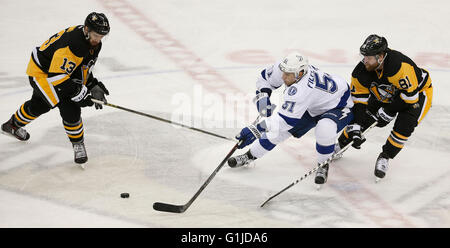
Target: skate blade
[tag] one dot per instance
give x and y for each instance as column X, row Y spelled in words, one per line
column 11, row 136
column 318, row 187
column 82, row 166
column 377, row 179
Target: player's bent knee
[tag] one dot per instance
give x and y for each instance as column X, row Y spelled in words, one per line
column 326, row 132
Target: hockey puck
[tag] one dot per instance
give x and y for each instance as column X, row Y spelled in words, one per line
column 124, row 195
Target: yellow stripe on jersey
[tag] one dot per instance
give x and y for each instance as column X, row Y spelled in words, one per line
column 40, row 79
column 428, row 82
column 47, row 89
column 357, row 87
column 84, row 74
column 55, row 80
column 64, row 61
column 55, row 37
column 51, row 40
column 410, row 99
column 71, row 29
column 427, row 105
column 405, row 79
column 360, row 94
column 34, row 71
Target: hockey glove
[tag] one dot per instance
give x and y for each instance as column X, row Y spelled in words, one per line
column 262, row 101
column 81, row 98
column 354, row 134
column 384, row 118
column 98, row 92
column 249, row 134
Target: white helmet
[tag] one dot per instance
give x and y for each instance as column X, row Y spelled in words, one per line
column 294, row 63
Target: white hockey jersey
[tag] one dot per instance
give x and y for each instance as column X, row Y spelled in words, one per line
column 316, row 92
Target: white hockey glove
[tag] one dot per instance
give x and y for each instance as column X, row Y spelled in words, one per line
column 82, row 98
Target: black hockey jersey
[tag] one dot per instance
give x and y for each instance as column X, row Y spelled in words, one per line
column 62, row 63
column 396, row 86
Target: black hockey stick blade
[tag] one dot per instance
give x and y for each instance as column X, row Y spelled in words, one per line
column 270, row 198
column 164, row 207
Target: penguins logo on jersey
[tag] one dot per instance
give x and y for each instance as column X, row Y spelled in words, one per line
column 383, row 92
column 292, row 90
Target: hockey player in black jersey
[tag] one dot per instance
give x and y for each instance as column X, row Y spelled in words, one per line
column 387, row 85
column 60, row 72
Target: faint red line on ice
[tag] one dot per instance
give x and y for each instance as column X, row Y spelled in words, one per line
column 336, row 56
column 151, row 32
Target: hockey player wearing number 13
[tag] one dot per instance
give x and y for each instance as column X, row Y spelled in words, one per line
column 312, row 98
column 60, row 74
column 387, row 85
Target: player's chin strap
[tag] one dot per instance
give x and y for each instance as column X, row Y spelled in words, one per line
column 319, row 166
column 160, row 119
column 380, row 62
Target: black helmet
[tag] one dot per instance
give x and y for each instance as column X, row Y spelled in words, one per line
column 97, row 22
column 373, row 45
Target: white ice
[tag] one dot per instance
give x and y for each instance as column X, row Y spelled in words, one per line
column 171, row 57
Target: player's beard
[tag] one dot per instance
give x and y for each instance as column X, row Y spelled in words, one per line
column 371, row 67
column 93, row 44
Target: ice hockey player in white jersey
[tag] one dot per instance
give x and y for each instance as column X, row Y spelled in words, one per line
column 312, row 98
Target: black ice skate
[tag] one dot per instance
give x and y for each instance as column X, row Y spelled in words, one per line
column 381, row 166
column 321, row 175
column 80, row 155
column 11, row 129
column 241, row 160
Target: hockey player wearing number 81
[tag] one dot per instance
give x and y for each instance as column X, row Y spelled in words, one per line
column 60, row 73
column 387, row 85
column 312, row 98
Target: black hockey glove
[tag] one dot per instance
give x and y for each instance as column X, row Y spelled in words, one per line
column 98, row 92
column 82, row 98
column 354, row 133
column 384, row 117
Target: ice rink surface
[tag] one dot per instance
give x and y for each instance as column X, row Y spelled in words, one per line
column 182, row 60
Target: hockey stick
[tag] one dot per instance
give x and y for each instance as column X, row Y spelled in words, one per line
column 160, row 119
column 319, row 166
column 166, row 207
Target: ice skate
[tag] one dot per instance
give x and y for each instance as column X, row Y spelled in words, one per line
column 321, row 176
column 381, row 166
column 11, row 129
column 240, row 160
column 80, row 155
